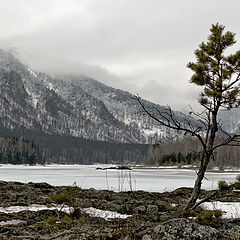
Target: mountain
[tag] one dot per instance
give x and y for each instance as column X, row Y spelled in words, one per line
column 76, row 119
column 75, row 106
column 230, row 120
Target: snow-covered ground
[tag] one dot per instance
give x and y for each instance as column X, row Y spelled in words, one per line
column 86, row 176
column 229, row 209
column 11, row 222
column 92, row 212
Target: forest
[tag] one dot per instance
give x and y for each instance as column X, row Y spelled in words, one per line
column 19, row 150
column 37, row 147
column 187, row 151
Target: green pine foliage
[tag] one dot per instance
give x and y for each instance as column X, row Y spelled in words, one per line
column 223, row 185
column 179, row 158
column 210, row 218
column 214, row 71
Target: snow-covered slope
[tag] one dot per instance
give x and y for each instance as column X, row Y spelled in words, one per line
column 230, row 120
column 120, row 104
column 76, row 106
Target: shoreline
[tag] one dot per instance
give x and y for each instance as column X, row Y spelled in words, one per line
column 125, row 167
column 143, row 211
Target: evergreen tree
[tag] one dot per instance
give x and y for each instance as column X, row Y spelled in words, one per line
column 219, row 76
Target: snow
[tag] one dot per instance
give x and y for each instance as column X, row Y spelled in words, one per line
column 152, row 131
column 50, row 86
column 86, row 176
column 92, row 212
column 11, row 222
column 32, row 72
column 34, row 100
column 32, row 208
column 230, row 209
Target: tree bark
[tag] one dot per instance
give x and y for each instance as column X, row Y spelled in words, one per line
column 207, row 153
column 198, row 182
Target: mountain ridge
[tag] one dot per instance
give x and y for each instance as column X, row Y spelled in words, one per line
column 76, row 106
column 73, row 106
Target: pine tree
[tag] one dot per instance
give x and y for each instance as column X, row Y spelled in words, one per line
column 219, row 76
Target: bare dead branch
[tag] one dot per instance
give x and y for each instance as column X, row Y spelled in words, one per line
column 170, row 121
column 204, row 200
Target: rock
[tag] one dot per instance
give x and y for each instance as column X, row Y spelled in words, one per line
column 163, row 206
column 146, row 207
column 146, row 237
column 112, row 207
column 141, row 209
column 41, row 185
column 165, row 216
column 182, row 229
column 152, row 212
column 233, row 231
column 182, row 192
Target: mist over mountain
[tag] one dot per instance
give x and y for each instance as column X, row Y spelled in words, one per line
column 71, row 106
column 75, row 106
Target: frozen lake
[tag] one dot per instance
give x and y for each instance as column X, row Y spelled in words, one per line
column 86, row 176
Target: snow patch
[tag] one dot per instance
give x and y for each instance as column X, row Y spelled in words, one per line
column 32, row 208
column 152, row 131
column 32, row 72
column 92, row 212
column 11, row 222
column 229, row 209
column 34, row 100
column 50, row 86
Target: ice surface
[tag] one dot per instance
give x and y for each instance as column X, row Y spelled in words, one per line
column 86, row 176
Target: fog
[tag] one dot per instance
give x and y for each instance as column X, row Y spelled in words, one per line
column 140, row 46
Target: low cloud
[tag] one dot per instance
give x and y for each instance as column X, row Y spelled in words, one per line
column 140, row 46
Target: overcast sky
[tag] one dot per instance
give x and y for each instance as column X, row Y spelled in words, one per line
column 141, row 46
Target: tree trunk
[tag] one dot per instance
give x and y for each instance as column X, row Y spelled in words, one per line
column 207, row 153
column 197, row 186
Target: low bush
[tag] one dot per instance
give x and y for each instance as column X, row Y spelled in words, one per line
column 186, row 214
column 237, row 185
column 51, row 222
column 222, row 185
column 67, row 198
column 238, row 178
column 208, row 217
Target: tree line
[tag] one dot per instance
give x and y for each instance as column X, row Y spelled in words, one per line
column 188, row 151
column 19, row 150
column 38, row 147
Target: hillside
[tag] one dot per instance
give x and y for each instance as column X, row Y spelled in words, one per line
column 72, row 105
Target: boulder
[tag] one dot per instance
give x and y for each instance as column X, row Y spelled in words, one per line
column 181, row 229
column 141, row 209
column 152, row 212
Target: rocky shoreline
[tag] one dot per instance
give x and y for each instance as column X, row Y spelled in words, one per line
column 152, row 215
